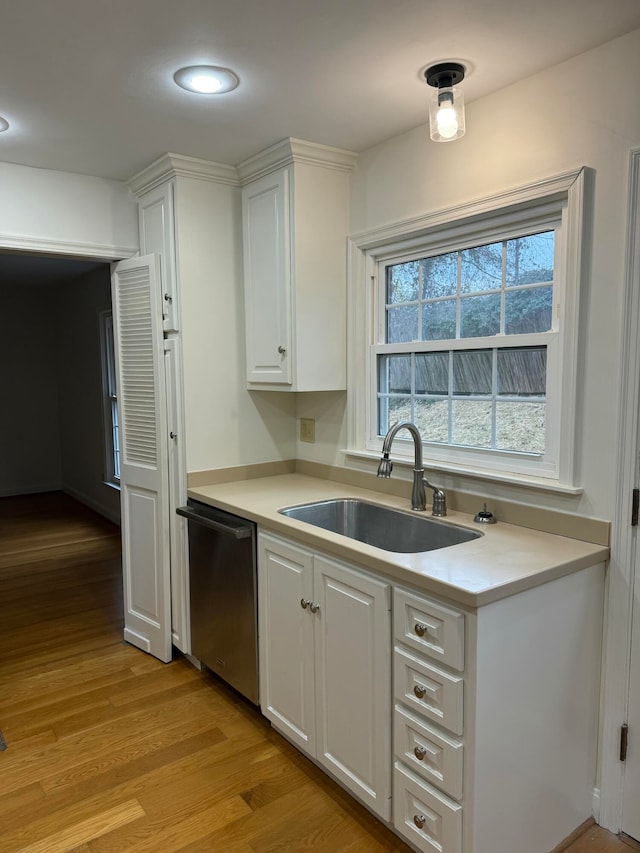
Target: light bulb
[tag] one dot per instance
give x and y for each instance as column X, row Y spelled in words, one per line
column 447, row 121
column 206, row 79
column 204, row 84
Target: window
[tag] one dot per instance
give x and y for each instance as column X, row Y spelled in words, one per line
column 110, row 400
column 469, row 394
column 472, row 319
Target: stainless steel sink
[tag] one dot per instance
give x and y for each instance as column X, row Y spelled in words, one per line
column 380, row 526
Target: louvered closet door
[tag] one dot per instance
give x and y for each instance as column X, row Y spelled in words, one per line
column 144, row 480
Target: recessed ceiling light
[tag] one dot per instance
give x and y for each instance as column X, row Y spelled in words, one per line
column 4, row 124
column 206, row 79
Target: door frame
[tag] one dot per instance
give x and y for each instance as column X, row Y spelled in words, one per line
column 621, row 574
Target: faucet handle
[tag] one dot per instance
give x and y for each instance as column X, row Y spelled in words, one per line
column 439, row 505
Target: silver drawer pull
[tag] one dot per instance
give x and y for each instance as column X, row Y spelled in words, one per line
column 313, row 607
column 420, row 752
column 420, row 629
column 419, row 820
column 282, row 350
column 419, row 691
column 304, row 603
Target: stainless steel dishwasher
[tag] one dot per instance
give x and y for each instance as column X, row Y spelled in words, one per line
column 223, row 588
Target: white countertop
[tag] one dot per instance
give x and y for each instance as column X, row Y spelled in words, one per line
column 505, row 560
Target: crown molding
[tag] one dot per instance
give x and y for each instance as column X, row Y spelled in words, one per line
column 171, row 165
column 99, row 251
column 283, row 153
column 292, row 150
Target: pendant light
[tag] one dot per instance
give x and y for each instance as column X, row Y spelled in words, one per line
column 446, row 107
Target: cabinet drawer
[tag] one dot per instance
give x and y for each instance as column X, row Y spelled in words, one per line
column 430, row 628
column 432, row 692
column 432, row 755
column 428, row 819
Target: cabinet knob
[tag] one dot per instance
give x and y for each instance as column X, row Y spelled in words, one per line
column 420, row 752
column 173, row 434
column 168, row 298
column 313, row 607
column 419, row 691
column 419, row 820
column 304, row 603
column 282, row 350
column 420, row 629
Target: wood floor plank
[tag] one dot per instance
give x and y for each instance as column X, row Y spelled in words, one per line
column 111, row 751
column 93, row 827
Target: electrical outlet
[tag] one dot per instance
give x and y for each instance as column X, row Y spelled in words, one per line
column 307, row 429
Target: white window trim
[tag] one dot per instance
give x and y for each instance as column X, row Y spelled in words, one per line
column 561, row 197
column 106, row 328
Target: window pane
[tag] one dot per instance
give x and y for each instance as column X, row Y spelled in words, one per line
column 481, row 268
column 402, row 324
column 392, row 409
column 528, row 310
column 432, row 373
column 530, row 259
column 440, row 276
column 432, row 419
column 522, row 372
column 472, row 423
column 472, row 372
column 394, row 374
column 439, row 320
column 403, row 282
column 520, row 426
column 480, row 316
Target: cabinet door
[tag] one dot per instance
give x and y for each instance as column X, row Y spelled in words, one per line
column 267, row 278
column 144, row 479
column 286, row 639
column 180, row 616
column 157, row 236
column 353, row 685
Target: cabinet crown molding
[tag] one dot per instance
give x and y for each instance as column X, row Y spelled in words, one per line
column 291, row 150
column 171, row 165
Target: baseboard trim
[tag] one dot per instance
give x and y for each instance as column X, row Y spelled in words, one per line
column 92, row 504
column 16, row 491
column 568, row 841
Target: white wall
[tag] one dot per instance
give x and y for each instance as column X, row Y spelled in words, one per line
column 585, row 112
column 80, row 391
column 225, row 424
column 40, row 208
column 29, row 425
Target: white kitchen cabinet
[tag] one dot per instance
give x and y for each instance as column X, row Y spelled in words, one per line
column 156, row 215
column 325, row 664
column 495, row 717
column 176, row 218
column 295, row 209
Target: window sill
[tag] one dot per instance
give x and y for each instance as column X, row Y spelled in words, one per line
column 539, row 483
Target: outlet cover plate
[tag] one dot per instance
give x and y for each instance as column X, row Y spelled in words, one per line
column 308, row 429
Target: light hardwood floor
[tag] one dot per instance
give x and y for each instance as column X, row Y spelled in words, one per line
column 110, row 750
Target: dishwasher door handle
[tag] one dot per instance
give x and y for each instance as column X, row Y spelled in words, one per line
column 239, row 532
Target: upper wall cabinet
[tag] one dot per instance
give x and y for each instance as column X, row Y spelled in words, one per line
column 295, row 211
column 157, row 235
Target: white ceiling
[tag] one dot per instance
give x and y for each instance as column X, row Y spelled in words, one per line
column 87, row 84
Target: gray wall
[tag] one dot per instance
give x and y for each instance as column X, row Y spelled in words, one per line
column 29, row 424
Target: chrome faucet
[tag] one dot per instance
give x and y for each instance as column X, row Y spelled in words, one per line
column 418, row 497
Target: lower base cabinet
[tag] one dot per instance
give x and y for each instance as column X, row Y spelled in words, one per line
column 493, row 710
column 325, row 664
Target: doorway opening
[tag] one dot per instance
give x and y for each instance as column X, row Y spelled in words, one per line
column 52, row 379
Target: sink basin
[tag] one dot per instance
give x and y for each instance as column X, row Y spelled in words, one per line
column 380, row 526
